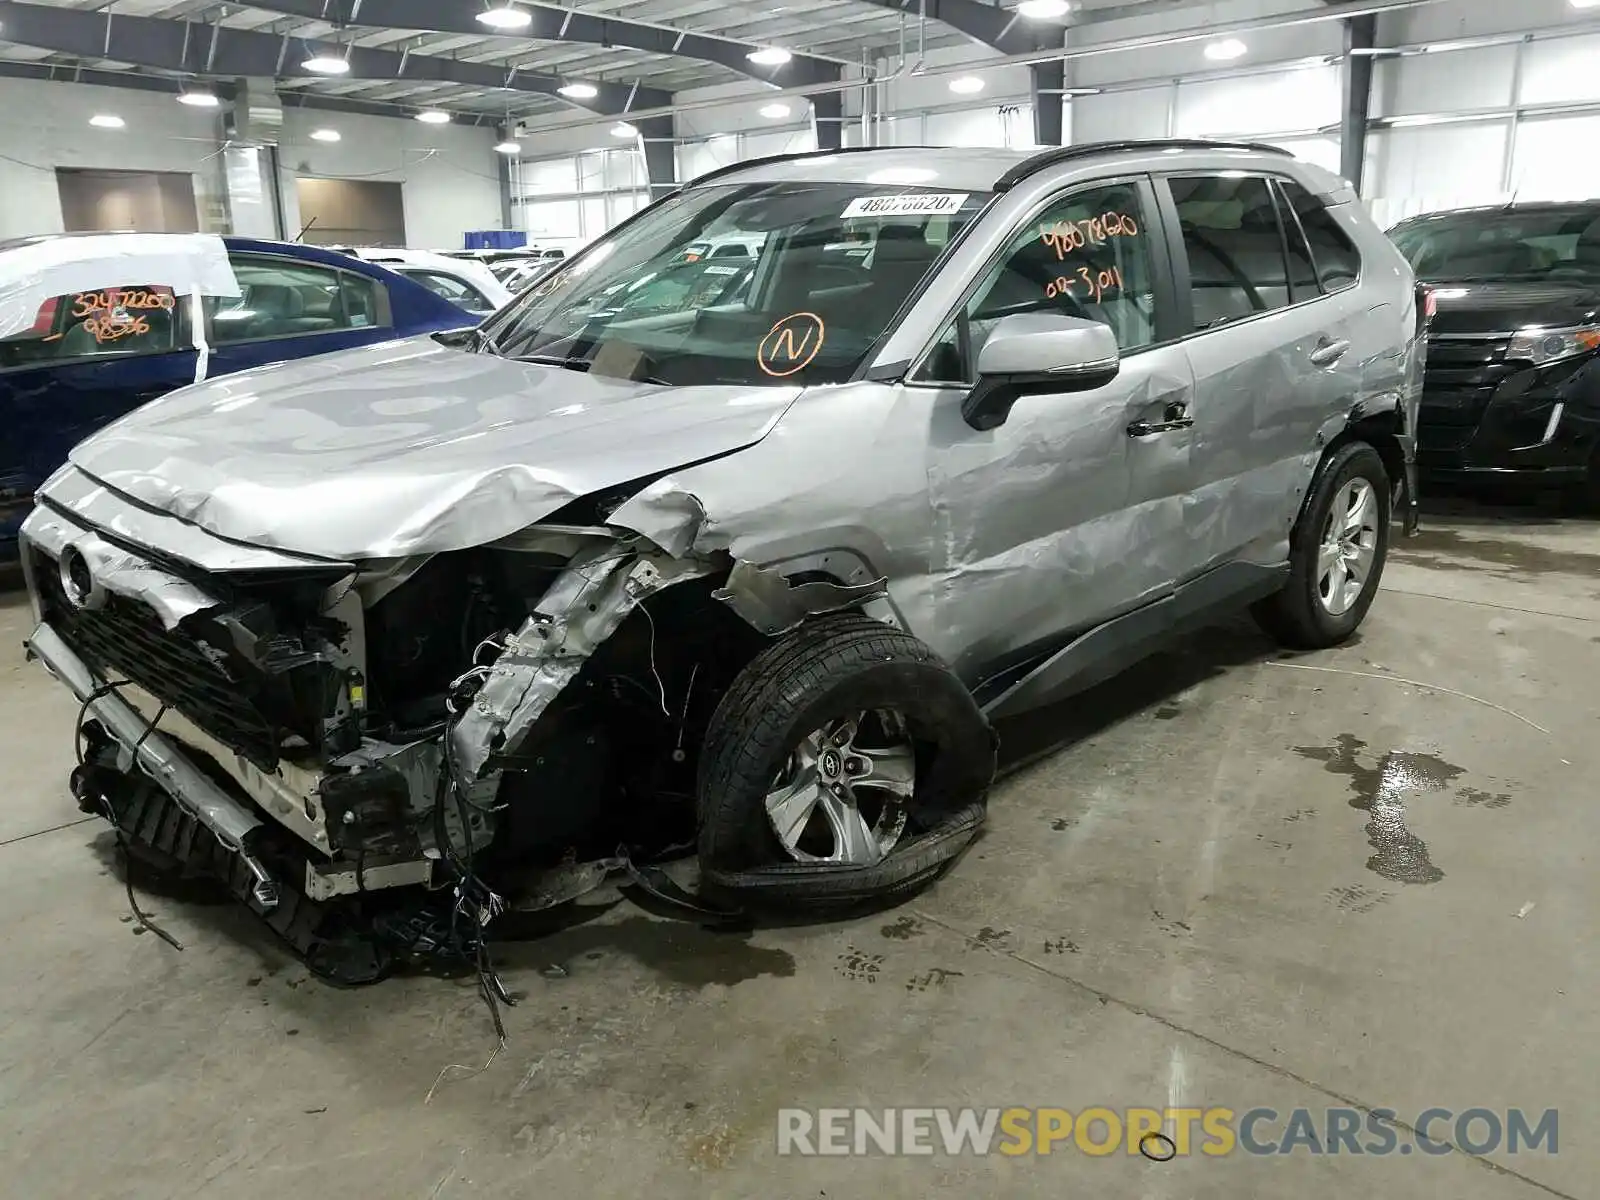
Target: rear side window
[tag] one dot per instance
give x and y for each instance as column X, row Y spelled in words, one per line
column 102, row 323
column 1337, row 261
column 280, row 298
column 1235, row 247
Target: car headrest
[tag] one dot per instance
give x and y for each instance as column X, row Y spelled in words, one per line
column 1587, row 251
column 902, row 251
column 276, row 301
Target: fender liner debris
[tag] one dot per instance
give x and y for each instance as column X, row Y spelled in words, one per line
column 769, row 602
column 825, row 885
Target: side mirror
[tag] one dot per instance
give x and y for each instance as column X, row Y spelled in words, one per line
column 1031, row 353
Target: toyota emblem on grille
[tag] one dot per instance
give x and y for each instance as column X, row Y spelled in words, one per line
column 78, row 583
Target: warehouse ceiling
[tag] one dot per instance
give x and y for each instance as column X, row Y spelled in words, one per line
column 642, row 49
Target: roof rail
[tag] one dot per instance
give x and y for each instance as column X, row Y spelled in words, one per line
column 798, row 155
column 1061, row 154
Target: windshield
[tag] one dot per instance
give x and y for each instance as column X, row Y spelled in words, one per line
column 739, row 284
column 1560, row 244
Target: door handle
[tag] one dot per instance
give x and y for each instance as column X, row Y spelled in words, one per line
column 1176, row 416
column 1327, row 353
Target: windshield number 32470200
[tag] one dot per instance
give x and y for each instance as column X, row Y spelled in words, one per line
column 1095, row 284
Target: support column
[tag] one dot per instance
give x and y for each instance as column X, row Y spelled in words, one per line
column 660, row 154
column 1360, row 33
column 827, row 119
column 251, row 178
column 1049, row 82
column 1049, row 85
column 503, row 174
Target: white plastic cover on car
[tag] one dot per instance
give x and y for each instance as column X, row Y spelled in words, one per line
column 191, row 264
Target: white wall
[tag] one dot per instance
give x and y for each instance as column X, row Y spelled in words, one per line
column 1450, row 127
column 45, row 125
column 575, row 198
column 573, row 182
column 447, row 173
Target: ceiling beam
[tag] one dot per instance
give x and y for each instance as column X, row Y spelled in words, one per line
column 312, row 102
column 1002, row 29
column 554, row 24
column 72, row 72
column 989, row 25
column 218, row 51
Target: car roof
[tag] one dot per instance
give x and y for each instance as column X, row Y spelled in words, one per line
column 972, row 170
column 1575, row 207
column 980, row 169
column 415, row 258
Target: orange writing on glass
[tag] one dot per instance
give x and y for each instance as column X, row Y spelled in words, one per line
column 1095, row 283
column 114, row 329
column 86, row 304
column 790, row 344
column 1066, row 236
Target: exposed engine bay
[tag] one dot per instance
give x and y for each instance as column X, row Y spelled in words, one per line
column 432, row 741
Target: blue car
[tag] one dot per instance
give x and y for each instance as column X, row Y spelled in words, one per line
column 94, row 325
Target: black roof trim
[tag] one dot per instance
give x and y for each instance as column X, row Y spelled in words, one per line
column 797, row 156
column 1061, row 154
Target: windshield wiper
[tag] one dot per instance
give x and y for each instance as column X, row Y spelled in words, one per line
column 572, row 362
column 483, row 342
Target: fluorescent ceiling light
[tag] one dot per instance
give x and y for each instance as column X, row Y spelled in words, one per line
column 324, row 135
column 107, row 121
column 774, row 112
column 199, row 99
column 509, row 148
column 622, row 130
column 1069, row 93
column 578, row 91
column 1584, row 4
column 433, row 116
column 769, row 56
column 1043, row 10
column 966, row 85
column 1226, row 50
column 326, row 64
column 506, row 17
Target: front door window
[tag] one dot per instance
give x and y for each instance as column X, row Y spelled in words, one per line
column 1086, row 255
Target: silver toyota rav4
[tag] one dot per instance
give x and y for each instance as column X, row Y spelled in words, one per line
column 740, row 555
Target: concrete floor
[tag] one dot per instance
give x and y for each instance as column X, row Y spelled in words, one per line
column 1177, row 906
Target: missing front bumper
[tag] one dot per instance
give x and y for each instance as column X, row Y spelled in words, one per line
column 145, row 749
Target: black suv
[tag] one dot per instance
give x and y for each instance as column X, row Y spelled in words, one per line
column 1512, row 386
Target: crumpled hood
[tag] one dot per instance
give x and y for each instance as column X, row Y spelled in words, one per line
column 408, row 447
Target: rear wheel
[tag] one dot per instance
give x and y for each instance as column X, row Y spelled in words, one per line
column 1337, row 553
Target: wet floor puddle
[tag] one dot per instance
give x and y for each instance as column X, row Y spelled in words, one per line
column 1445, row 548
column 1378, row 787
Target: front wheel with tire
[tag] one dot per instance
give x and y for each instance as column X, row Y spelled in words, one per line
column 1336, row 554
column 845, row 765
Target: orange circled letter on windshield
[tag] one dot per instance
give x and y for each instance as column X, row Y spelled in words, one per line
column 790, row 344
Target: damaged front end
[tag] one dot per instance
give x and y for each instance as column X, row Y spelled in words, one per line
column 360, row 749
